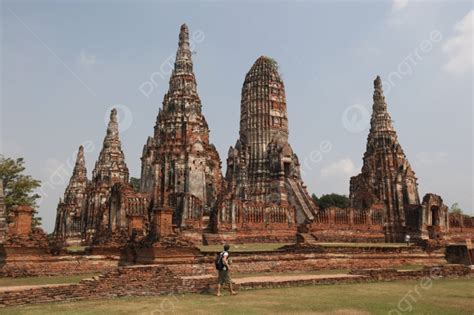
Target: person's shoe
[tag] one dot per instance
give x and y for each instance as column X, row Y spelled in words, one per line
column 234, row 293
column 218, row 295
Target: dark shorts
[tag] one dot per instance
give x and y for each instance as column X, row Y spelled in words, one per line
column 224, row 277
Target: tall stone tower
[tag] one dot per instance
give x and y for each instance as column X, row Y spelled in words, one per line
column 109, row 169
column 262, row 167
column 71, row 208
column 3, row 214
column 387, row 178
column 180, row 168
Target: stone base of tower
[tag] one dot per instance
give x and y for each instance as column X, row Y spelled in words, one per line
column 160, row 253
column 252, row 222
column 394, row 234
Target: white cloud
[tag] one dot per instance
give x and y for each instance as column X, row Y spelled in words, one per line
column 398, row 5
column 87, row 59
column 341, row 168
column 431, row 158
column 399, row 17
column 459, row 47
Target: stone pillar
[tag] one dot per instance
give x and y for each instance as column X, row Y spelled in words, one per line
column 331, row 216
column 232, row 211
column 23, row 216
column 350, row 212
column 164, row 221
column 369, row 218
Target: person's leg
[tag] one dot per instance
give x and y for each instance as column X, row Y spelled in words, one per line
column 229, row 281
column 231, row 289
column 219, row 289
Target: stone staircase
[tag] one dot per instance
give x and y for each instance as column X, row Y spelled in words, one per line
column 302, row 198
column 307, row 238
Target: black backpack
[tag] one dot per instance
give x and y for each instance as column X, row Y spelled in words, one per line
column 219, row 261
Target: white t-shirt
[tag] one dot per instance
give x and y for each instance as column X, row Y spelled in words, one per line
column 225, row 254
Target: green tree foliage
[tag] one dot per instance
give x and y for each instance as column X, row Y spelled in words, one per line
column 332, row 200
column 135, row 183
column 455, row 208
column 19, row 188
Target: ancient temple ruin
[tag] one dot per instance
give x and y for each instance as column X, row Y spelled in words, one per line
column 387, row 179
column 71, row 207
column 181, row 169
column 262, row 198
column 104, row 211
column 109, row 170
column 264, row 191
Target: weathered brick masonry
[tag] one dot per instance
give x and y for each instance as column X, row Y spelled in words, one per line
column 301, row 258
column 30, row 265
column 158, row 280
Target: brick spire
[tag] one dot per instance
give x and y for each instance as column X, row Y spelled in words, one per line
column 386, row 177
column 112, row 136
column 182, row 95
column 183, row 62
column 71, row 208
column 78, row 180
column 263, row 111
column 381, row 121
column 110, row 166
column 179, row 165
column 262, row 167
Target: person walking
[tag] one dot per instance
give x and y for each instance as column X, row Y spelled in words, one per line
column 223, row 268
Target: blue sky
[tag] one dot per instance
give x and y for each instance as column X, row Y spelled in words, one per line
column 64, row 66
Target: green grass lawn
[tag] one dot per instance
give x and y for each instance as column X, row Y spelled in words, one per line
column 4, row 282
column 75, row 248
column 410, row 267
column 444, row 297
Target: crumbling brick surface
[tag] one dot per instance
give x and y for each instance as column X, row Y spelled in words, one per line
column 264, row 189
column 181, row 169
column 159, row 280
column 32, row 263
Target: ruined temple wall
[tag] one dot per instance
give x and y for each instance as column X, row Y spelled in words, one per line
column 32, row 263
column 311, row 260
column 346, row 225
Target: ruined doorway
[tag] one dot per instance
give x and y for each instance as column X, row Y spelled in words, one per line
column 287, row 169
column 435, row 216
column 434, row 229
column 114, row 217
